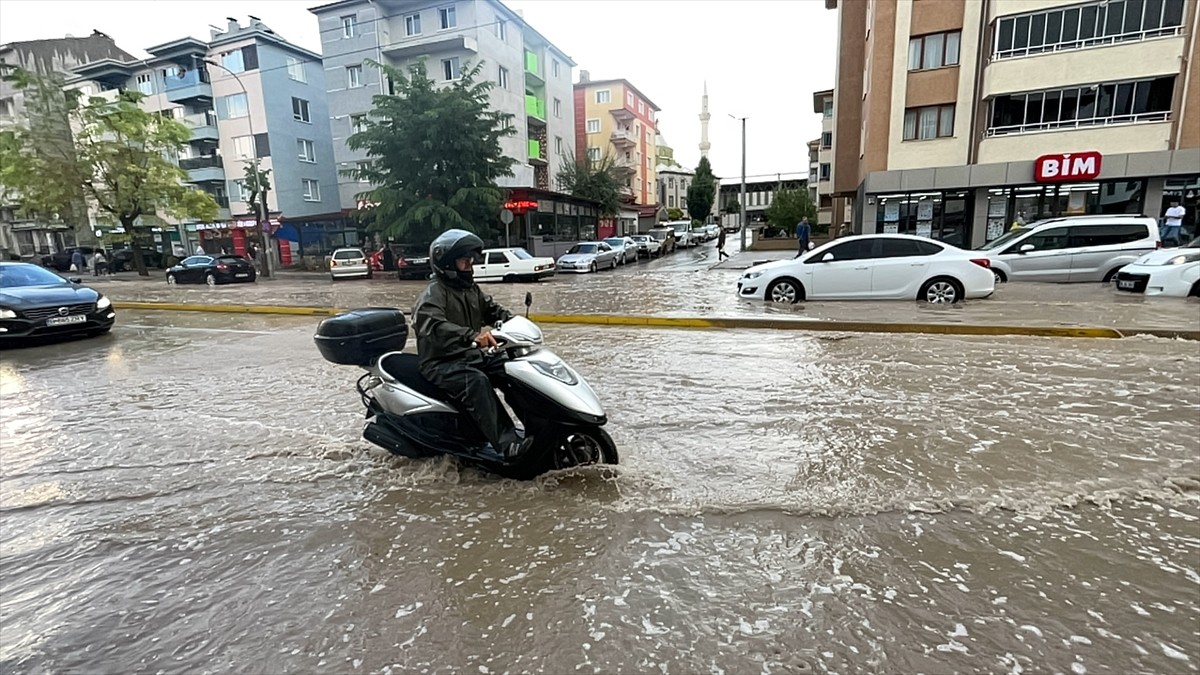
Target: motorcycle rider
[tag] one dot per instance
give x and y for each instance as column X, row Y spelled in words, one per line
column 453, row 319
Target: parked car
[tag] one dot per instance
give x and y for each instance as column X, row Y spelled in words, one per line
column 212, row 270
column 1074, row 248
column 36, row 302
column 412, row 262
column 711, row 230
column 683, row 232
column 1173, row 272
column 122, row 260
column 513, row 264
column 665, row 236
column 626, row 248
column 61, row 261
column 588, row 256
column 891, row 266
column 647, row 245
column 349, row 262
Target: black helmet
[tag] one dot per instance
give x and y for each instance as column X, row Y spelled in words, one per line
column 451, row 245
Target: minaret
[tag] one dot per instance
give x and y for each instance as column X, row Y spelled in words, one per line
column 704, row 144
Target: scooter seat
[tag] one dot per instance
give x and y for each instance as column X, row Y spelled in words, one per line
column 404, row 368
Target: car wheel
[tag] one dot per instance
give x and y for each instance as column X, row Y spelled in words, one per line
column 172, row 280
column 1195, row 292
column 785, row 291
column 510, row 279
column 210, row 279
column 593, row 269
column 941, row 291
column 1111, row 273
column 1000, row 278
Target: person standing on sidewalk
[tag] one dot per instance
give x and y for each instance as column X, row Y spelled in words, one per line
column 1173, row 223
column 803, row 231
column 78, row 262
column 99, row 263
column 721, row 254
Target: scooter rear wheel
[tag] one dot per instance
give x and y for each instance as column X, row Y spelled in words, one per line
column 579, row 447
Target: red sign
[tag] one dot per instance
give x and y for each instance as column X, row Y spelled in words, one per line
column 1067, row 166
column 520, row 205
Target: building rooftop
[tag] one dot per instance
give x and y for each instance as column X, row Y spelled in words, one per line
column 627, row 83
column 819, row 99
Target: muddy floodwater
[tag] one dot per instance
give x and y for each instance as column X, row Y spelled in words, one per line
column 191, row 495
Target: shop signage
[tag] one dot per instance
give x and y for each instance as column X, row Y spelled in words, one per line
column 236, row 225
column 519, row 206
column 1067, row 166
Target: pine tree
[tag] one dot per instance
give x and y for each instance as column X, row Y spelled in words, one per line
column 702, row 192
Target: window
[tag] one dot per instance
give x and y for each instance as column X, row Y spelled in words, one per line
column 671, row 201
column 593, row 154
column 629, row 97
column 1046, row 240
column 558, row 145
column 825, row 170
column 593, row 126
column 233, row 106
column 555, row 68
column 238, row 187
column 850, row 250
column 357, row 123
column 1105, row 235
column 353, row 77
column 145, row 83
column 449, row 17
column 603, row 96
column 1139, row 100
column 312, row 190
column 557, row 108
column 243, row 147
column 927, row 123
column 451, row 69
column 349, row 26
column 826, row 140
column 295, row 68
column 933, row 51
column 363, row 166
column 829, row 108
column 641, row 108
column 905, row 248
column 502, row 77
column 300, row 110
column 412, row 25
column 308, row 150
column 497, row 258
column 1096, row 23
column 502, row 30
column 233, row 61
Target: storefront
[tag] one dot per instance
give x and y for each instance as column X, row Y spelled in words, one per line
column 970, row 205
column 549, row 223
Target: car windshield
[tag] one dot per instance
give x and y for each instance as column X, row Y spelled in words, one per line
column 522, row 254
column 346, row 255
column 658, row 235
column 583, row 248
column 15, row 276
column 1005, row 238
column 1195, row 243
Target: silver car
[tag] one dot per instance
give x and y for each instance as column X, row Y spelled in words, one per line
column 349, row 262
column 626, row 248
column 588, row 256
column 1074, row 248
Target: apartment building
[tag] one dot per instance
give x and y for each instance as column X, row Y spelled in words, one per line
column 673, row 183
column 246, row 93
column 955, row 118
column 532, row 77
column 760, row 194
column 29, row 236
column 614, row 117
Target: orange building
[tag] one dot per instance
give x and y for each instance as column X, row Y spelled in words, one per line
column 612, row 116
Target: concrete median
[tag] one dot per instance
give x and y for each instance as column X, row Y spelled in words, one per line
column 728, row 323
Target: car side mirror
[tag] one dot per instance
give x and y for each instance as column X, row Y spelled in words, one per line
column 828, row 257
column 75, row 280
column 1026, row 248
column 528, row 303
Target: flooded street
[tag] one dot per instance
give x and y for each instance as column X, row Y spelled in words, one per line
column 191, row 494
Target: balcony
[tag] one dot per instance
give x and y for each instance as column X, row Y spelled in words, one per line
column 203, row 169
column 537, row 155
column 190, row 86
column 203, row 126
column 535, row 109
column 533, row 70
column 623, row 115
column 429, row 45
column 623, row 138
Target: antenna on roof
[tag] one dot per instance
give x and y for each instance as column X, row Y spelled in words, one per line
column 255, row 18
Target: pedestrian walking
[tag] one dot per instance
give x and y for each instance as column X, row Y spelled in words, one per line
column 803, row 231
column 721, row 254
column 78, row 262
column 99, row 263
column 199, row 249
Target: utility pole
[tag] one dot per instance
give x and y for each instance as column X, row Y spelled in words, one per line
column 261, row 214
column 742, row 217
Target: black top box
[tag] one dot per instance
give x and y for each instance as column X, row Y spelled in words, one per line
column 360, row 336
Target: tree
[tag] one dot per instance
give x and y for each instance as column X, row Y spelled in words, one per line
column 258, row 182
column 434, row 155
column 674, row 214
column 702, row 192
column 117, row 159
column 602, row 180
column 790, row 205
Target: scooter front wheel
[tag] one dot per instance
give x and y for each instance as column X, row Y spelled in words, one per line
column 579, row 446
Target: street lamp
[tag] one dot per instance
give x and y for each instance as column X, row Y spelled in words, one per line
column 742, row 217
column 260, row 217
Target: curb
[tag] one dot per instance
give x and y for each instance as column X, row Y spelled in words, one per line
column 729, row 323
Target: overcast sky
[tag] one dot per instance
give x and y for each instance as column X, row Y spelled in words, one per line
column 762, row 59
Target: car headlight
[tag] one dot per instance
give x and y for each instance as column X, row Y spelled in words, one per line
column 1183, row 258
column 7, row 314
column 752, row 275
column 556, row 369
column 103, row 303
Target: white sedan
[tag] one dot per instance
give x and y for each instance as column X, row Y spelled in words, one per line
column 512, row 264
column 873, row 267
column 1173, row 272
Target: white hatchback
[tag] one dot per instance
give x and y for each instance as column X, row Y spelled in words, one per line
column 873, row 267
column 349, row 262
column 1173, row 272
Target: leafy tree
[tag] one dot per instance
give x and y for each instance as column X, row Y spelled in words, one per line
column 434, row 155
column 702, row 192
column 789, row 206
column 602, row 180
column 118, row 159
column 674, row 214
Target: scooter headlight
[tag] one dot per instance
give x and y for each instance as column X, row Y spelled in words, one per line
column 556, row 369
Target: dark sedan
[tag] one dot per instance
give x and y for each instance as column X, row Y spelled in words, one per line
column 35, row 302
column 410, row 262
column 211, row 270
column 122, row 260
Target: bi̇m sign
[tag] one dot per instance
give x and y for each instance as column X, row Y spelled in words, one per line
column 1067, row 166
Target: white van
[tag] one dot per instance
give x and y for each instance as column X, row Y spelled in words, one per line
column 1073, row 248
column 683, row 232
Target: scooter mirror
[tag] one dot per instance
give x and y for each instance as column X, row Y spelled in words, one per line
column 528, row 299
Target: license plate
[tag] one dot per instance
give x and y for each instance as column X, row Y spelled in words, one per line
column 242, row 275
column 65, row 320
column 1129, row 285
